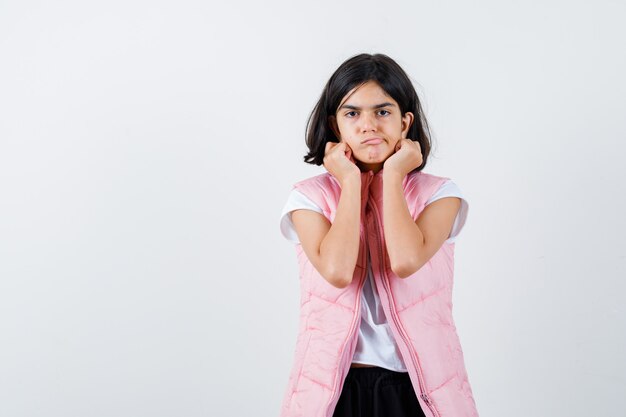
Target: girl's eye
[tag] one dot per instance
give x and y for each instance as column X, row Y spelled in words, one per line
column 351, row 113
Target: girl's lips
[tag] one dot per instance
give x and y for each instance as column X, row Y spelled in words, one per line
column 373, row 141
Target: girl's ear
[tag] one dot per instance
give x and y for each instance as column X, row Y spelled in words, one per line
column 407, row 121
column 332, row 121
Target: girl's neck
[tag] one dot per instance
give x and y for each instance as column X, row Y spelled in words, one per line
column 370, row 167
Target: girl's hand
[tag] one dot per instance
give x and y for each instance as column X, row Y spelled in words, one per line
column 339, row 162
column 406, row 157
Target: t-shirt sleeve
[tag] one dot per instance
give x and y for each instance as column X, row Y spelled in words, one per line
column 450, row 189
column 295, row 201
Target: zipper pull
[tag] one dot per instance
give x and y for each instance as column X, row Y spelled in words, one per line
column 426, row 398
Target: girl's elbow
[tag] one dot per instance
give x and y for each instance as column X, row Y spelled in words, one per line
column 338, row 279
column 341, row 283
column 406, row 269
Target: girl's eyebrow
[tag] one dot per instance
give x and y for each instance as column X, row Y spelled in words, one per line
column 376, row 106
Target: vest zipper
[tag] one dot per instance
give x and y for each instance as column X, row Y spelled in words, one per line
column 338, row 382
column 386, row 285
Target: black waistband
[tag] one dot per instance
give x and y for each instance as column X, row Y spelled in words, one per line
column 368, row 377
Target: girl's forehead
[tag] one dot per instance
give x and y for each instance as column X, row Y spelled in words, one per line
column 365, row 92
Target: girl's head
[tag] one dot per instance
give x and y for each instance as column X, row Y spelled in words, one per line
column 368, row 96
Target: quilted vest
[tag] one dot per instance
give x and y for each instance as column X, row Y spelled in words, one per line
column 418, row 309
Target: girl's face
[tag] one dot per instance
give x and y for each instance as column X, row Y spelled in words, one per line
column 368, row 113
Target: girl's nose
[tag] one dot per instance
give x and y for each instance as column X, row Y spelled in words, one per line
column 368, row 123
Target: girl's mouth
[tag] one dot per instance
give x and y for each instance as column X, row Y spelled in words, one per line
column 372, row 141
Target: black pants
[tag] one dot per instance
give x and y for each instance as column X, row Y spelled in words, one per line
column 377, row 392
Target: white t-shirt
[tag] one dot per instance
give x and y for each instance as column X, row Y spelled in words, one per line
column 375, row 345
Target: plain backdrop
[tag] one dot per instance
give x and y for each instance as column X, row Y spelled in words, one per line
column 148, row 147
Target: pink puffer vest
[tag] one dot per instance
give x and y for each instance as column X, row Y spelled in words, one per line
column 418, row 309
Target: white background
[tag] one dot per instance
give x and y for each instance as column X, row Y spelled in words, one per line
column 147, row 149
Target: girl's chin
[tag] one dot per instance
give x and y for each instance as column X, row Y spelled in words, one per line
column 371, row 161
column 376, row 158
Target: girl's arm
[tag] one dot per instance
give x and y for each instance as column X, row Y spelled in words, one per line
column 411, row 244
column 333, row 249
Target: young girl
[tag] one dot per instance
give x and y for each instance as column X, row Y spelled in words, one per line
column 375, row 240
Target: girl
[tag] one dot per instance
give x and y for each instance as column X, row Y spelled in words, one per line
column 375, row 240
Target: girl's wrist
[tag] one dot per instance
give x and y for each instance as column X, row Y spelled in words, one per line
column 392, row 175
column 351, row 181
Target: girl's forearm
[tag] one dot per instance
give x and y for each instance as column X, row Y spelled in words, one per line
column 403, row 238
column 340, row 247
